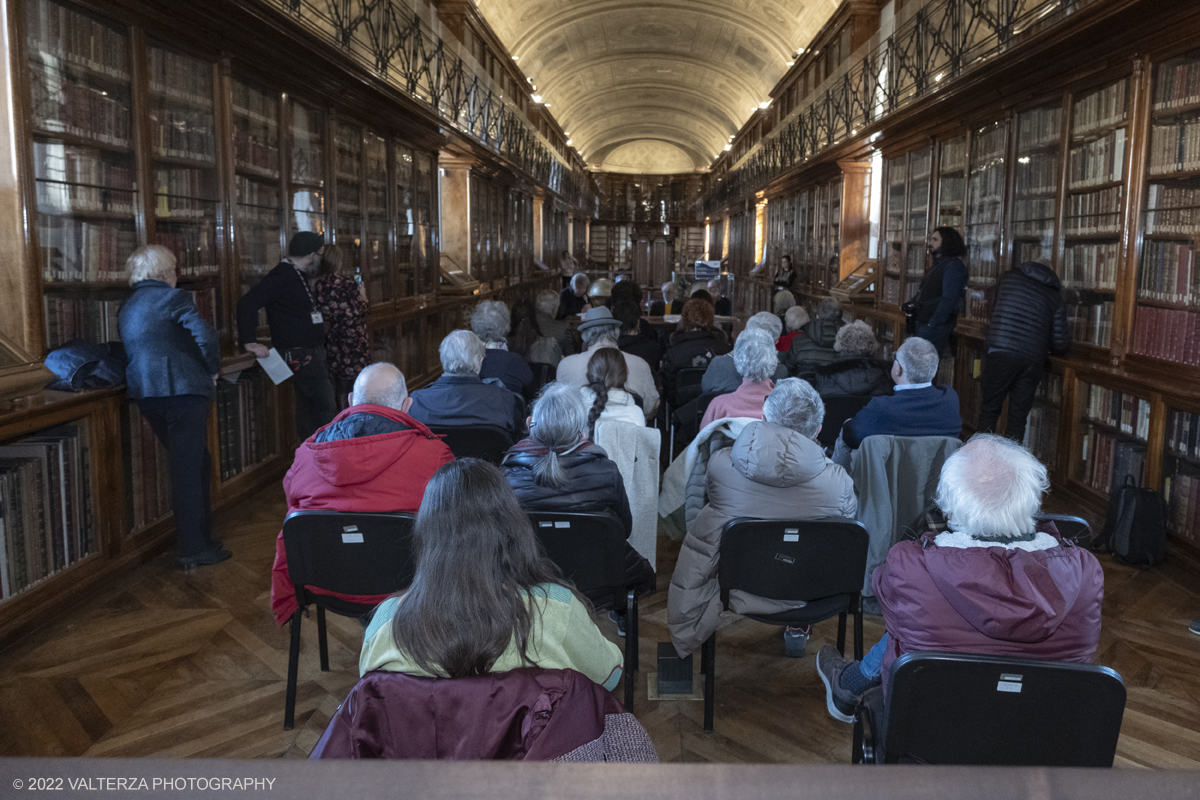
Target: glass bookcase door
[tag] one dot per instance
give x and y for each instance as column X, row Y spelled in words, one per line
column 952, row 182
column 1041, row 428
column 425, row 242
column 1111, row 438
column 917, row 219
column 893, row 229
column 1095, row 199
column 308, row 171
column 405, row 219
column 348, row 160
column 984, row 213
column 379, row 275
column 1181, row 474
column 1167, row 317
column 258, row 217
column 1039, row 145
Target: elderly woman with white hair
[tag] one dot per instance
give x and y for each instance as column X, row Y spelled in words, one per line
column 460, row 398
column 755, row 358
column 775, row 470
column 998, row 582
column 815, row 347
column 174, row 356
column 854, row 371
column 573, row 299
column 794, row 320
column 550, row 325
column 490, row 321
column 722, row 376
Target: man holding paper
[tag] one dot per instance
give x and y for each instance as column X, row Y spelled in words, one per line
column 297, row 329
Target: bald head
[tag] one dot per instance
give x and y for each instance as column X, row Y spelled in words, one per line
column 381, row 384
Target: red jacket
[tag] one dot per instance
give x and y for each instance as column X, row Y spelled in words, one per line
column 990, row 600
column 384, row 472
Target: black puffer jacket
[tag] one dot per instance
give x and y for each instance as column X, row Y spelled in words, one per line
column 815, row 347
column 1030, row 318
column 593, row 484
column 851, row 376
column 691, row 350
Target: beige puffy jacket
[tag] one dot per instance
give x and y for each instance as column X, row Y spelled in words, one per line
column 771, row 472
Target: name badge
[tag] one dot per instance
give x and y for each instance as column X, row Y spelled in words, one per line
column 317, row 318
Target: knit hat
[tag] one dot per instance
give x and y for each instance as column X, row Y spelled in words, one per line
column 305, row 243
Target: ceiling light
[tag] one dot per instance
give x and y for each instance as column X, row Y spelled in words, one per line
column 537, row 98
column 529, row 79
column 728, row 147
column 545, row 105
column 569, row 143
column 789, row 63
column 515, row 58
column 764, row 104
column 938, row 77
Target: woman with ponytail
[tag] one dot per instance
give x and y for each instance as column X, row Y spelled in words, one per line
column 605, row 394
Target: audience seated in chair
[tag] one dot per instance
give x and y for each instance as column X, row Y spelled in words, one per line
column 490, row 321
column 773, row 471
column 605, row 395
column 460, row 398
column 550, row 325
column 694, row 346
column 668, row 304
column 627, row 291
column 781, row 302
column 483, row 599
column 755, row 358
column 634, row 340
column 918, row 408
column 721, row 304
column 599, row 330
column 573, row 299
column 526, row 338
column 794, row 320
column 815, row 347
column 373, row 457
column 997, row 583
column 558, row 469
column 722, row 376
column 854, row 371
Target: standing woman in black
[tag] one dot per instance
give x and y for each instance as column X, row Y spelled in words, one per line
column 937, row 298
column 174, row 358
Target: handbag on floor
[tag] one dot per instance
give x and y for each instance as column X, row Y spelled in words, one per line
column 1135, row 530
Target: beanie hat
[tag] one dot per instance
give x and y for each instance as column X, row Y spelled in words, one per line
column 305, row 243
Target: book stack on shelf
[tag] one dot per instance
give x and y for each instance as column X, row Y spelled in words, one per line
column 46, row 523
column 1167, row 317
column 1041, row 428
column 984, row 213
column 1039, row 133
column 893, row 231
column 308, row 172
column 1094, row 204
column 245, row 422
column 1181, row 474
column 256, row 182
column 379, row 280
column 1112, row 439
column 952, row 182
column 147, row 471
column 920, row 164
column 92, row 315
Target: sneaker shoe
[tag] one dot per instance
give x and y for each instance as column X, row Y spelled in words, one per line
column 1195, row 627
column 795, row 640
column 840, row 702
column 205, row 559
column 619, row 618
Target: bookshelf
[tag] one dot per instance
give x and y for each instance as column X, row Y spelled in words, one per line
column 893, row 237
column 257, row 198
column 983, row 230
column 952, row 182
column 1042, row 425
column 1035, row 204
column 920, row 163
column 1181, row 473
column 906, row 226
column 375, row 162
column 1110, row 442
column 308, row 172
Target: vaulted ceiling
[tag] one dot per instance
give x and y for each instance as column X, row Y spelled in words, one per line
column 654, row 86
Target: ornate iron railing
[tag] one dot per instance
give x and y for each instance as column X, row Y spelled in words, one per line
column 390, row 38
column 939, row 43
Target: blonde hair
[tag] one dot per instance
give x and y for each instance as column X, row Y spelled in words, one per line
column 151, row 262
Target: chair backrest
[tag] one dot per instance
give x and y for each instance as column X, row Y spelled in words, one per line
column 687, row 383
column 475, row 441
column 958, row 708
column 350, row 552
column 1076, row 530
column 588, row 548
column 838, row 409
column 542, row 374
column 793, row 559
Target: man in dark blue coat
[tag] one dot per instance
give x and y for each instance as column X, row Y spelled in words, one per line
column 460, row 398
column 173, row 360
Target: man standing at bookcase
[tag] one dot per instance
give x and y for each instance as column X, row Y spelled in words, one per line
column 297, row 329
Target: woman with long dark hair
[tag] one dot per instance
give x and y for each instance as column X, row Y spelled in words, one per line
column 484, row 598
column 605, row 395
column 937, row 298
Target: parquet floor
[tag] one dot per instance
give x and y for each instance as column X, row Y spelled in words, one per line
column 192, row 665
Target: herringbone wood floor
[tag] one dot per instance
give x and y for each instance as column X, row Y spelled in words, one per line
column 192, row 665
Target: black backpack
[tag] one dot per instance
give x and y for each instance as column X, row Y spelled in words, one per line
column 1135, row 530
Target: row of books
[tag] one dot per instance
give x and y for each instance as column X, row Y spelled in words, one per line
column 194, row 246
column 1091, row 266
column 307, row 166
column 1032, row 216
column 254, row 193
column 62, row 104
column 180, row 77
column 1097, row 161
column 920, row 163
column 1171, row 334
column 253, row 152
column 986, row 186
column 1175, row 147
column 1092, row 213
column 148, row 474
column 254, row 109
column 1050, row 388
column 1108, row 460
column 245, row 413
column 1040, row 127
column 1041, row 433
column 1122, row 410
column 1173, row 210
column 184, row 194
column 980, row 301
column 989, row 146
column 73, row 178
column 1100, row 109
column 58, row 33
column 1183, row 433
column 1091, row 324
column 95, row 319
column 1041, row 250
column 1181, row 491
column 1037, row 174
column 75, row 250
column 954, row 155
column 1177, row 84
column 45, row 506
column 951, row 191
column 1167, row 273
column 183, row 134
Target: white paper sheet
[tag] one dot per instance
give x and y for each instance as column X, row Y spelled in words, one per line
column 275, row 367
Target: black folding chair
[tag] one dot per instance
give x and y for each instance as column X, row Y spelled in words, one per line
column 542, row 374
column 964, row 709
column 590, row 551
column 818, row 561
column 838, row 409
column 684, row 391
column 475, row 441
column 345, row 552
column 1075, row 530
